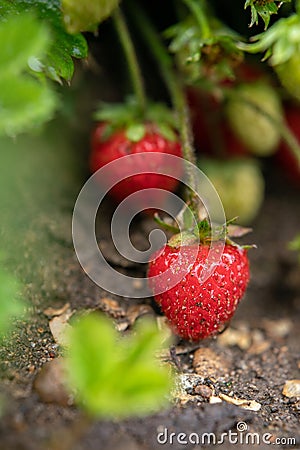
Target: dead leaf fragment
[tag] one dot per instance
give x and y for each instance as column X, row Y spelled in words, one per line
column 112, row 307
column 122, row 326
column 59, row 327
column 251, row 340
column 259, row 343
column 237, row 230
column 278, row 328
column 208, row 364
column 215, row 399
column 291, row 388
column 51, row 312
column 136, row 311
column 251, row 405
column 240, row 337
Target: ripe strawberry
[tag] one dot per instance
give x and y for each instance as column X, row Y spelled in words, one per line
column 245, row 113
column 195, row 309
column 118, row 144
column 285, row 157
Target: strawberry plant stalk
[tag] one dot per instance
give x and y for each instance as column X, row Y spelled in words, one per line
column 196, row 8
column 176, row 93
column 134, row 68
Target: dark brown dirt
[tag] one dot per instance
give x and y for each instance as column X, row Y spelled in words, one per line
column 257, row 372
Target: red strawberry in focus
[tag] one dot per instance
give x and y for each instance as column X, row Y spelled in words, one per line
column 284, row 156
column 196, row 309
column 117, row 145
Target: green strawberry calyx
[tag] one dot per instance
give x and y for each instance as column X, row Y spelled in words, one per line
column 127, row 116
column 209, row 51
column 204, row 233
column 280, row 42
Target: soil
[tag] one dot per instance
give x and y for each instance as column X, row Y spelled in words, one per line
column 254, row 367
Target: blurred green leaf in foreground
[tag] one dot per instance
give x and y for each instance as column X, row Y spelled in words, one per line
column 25, row 101
column 113, row 376
column 10, row 305
column 57, row 59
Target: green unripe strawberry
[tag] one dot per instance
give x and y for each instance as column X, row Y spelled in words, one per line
column 289, row 75
column 240, row 185
column 252, row 112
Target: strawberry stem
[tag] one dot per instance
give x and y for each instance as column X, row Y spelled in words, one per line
column 197, row 10
column 176, row 91
column 165, row 225
column 132, row 61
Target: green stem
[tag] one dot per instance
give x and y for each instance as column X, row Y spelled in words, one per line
column 290, row 139
column 134, row 69
column 165, row 64
column 197, row 9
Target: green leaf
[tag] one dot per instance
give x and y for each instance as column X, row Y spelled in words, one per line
column 15, row 49
column 25, row 104
column 10, row 306
column 116, row 377
column 263, row 9
column 57, row 63
column 80, row 15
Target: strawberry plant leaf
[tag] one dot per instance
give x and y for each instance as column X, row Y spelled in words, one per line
column 37, row 38
column 80, row 15
column 25, row 101
column 116, row 377
column 263, row 9
column 25, row 104
column 57, row 63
